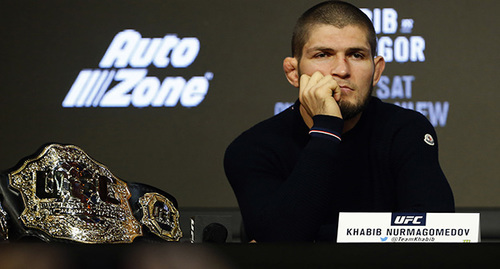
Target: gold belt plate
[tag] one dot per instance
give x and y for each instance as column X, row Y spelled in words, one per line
column 160, row 216
column 68, row 195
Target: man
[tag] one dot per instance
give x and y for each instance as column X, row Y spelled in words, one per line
column 337, row 149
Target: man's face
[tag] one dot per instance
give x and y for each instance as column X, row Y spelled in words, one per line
column 345, row 54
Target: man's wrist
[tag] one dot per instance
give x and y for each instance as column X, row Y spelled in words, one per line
column 329, row 127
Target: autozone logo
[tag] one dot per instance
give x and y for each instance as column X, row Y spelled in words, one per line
column 122, row 77
column 410, row 219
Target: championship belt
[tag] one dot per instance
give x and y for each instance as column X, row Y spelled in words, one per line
column 63, row 194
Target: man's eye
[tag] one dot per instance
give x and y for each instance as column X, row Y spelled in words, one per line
column 320, row 55
column 358, row 55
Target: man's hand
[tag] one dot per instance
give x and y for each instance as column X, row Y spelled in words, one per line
column 319, row 95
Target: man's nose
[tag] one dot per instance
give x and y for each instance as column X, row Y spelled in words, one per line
column 340, row 67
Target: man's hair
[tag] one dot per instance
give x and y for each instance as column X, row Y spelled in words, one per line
column 336, row 13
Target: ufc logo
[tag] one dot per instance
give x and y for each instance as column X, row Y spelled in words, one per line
column 407, row 219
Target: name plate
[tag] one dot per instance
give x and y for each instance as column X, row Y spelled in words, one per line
column 408, row 228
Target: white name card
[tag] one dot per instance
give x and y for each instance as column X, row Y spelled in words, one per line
column 408, row 228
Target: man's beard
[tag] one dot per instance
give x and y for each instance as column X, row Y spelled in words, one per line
column 347, row 109
column 350, row 110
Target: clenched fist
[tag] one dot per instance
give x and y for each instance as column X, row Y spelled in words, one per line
column 319, row 95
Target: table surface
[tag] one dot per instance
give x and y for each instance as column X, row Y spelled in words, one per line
column 222, row 256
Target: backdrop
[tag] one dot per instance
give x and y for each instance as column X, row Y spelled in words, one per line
column 156, row 90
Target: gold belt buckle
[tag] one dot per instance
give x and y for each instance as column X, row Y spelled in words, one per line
column 68, row 195
column 160, row 216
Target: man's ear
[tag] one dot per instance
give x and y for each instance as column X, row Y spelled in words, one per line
column 290, row 66
column 379, row 68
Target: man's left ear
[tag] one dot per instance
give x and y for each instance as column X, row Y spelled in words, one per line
column 379, row 68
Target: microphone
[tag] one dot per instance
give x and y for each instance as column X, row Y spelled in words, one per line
column 211, row 229
column 214, row 233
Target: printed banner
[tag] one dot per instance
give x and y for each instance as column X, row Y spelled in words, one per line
column 408, row 228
